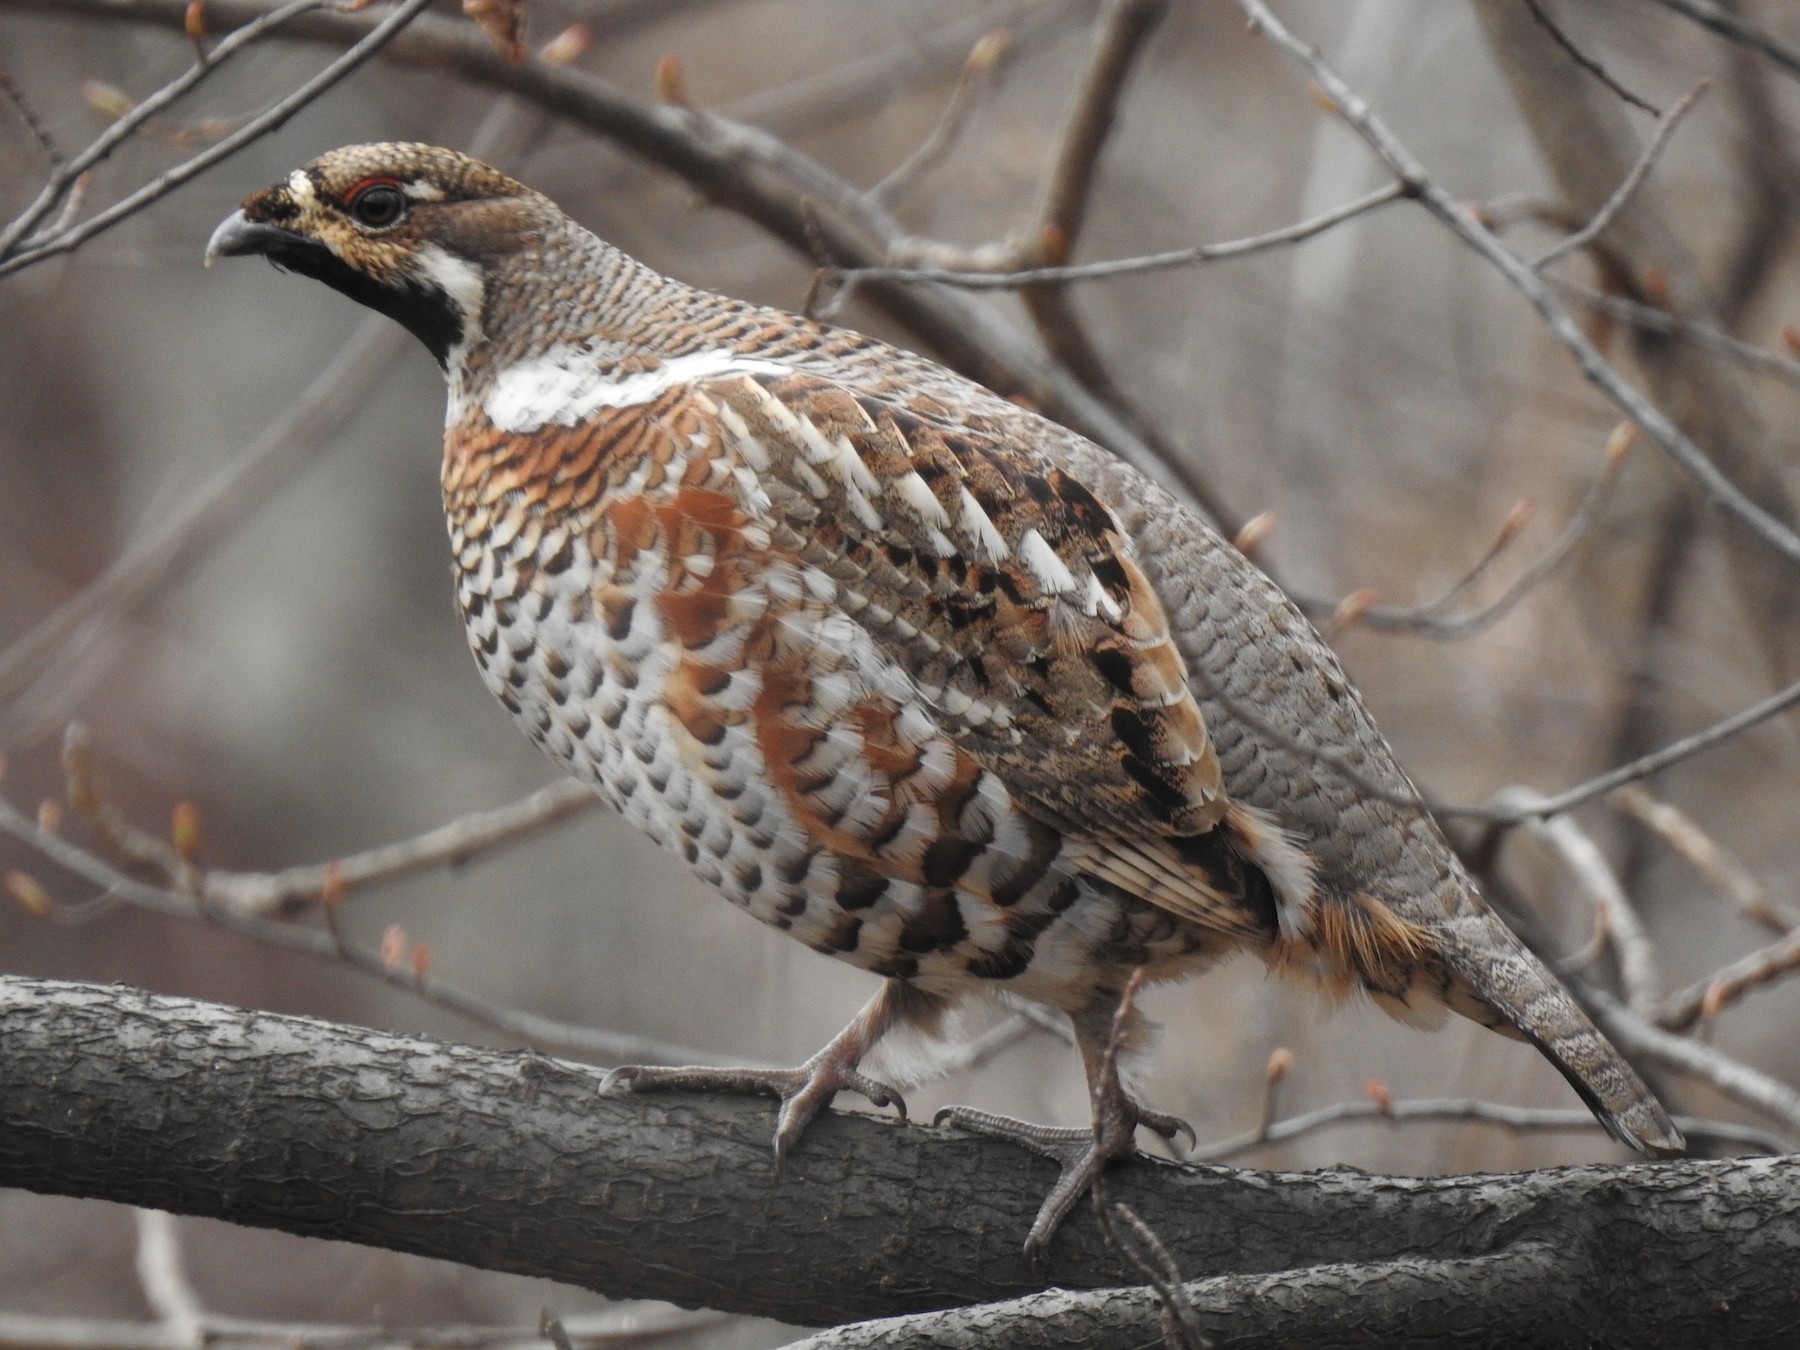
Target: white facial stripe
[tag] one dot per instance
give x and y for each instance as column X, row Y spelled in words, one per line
column 567, row 386
column 422, row 192
column 458, row 279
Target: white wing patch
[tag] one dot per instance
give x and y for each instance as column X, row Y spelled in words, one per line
column 977, row 523
column 1051, row 572
column 567, row 385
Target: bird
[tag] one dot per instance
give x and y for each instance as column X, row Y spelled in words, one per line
column 924, row 679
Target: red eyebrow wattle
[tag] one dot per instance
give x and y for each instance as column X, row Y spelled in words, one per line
column 363, row 185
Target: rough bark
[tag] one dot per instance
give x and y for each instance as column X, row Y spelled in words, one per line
column 512, row 1162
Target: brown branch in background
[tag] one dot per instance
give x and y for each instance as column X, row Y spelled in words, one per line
column 737, row 166
column 1585, row 61
column 1125, row 27
column 1712, row 15
column 1776, row 533
column 966, row 279
column 28, row 115
column 1706, row 999
column 1125, row 30
column 1660, row 322
column 16, row 252
column 1719, row 869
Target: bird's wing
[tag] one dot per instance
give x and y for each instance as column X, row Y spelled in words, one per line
column 1011, row 597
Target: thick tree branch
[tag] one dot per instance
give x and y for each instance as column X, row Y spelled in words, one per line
column 513, row 1162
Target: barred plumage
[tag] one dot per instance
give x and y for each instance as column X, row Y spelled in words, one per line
column 924, row 679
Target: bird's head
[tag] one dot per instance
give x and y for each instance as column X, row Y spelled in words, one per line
column 413, row 231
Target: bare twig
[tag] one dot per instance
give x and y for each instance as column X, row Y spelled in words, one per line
column 281, row 893
column 1750, row 356
column 1615, row 916
column 118, row 887
column 1665, row 128
column 984, row 60
column 27, row 114
column 1585, row 61
column 1429, row 620
column 1710, row 14
column 1658, row 760
column 1467, row 1110
column 1705, row 1000
column 1701, row 852
column 1637, row 1036
column 1123, row 267
column 64, row 173
column 272, row 117
column 166, row 1287
column 1674, row 442
column 626, row 1326
column 1137, row 1242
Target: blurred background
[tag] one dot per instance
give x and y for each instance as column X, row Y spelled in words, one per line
column 304, row 683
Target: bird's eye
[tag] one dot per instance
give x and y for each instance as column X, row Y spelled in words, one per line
column 378, row 205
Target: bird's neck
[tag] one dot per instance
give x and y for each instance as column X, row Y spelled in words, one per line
column 573, row 291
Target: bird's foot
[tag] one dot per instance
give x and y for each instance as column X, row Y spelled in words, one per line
column 804, row 1091
column 1082, row 1154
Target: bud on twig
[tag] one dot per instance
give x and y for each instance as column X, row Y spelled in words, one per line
column 193, row 23
column 184, row 830
column 1618, row 445
column 331, row 891
column 108, row 100
column 1353, row 606
column 393, row 947
column 671, row 81
column 568, row 46
column 30, row 894
column 1256, row 529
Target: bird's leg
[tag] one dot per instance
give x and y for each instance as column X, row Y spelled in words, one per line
column 1100, row 1033
column 807, row 1090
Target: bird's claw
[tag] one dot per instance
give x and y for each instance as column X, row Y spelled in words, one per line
column 804, row 1091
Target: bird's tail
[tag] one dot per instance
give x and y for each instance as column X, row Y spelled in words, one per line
column 1504, row 986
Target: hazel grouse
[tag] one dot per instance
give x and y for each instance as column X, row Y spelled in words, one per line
column 920, row 677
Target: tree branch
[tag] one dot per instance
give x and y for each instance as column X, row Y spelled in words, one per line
column 747, row 170
column 513, row 1162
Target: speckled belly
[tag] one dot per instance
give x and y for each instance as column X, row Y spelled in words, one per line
column 718, row 697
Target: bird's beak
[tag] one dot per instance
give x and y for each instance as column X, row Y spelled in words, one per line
column 238, row 235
